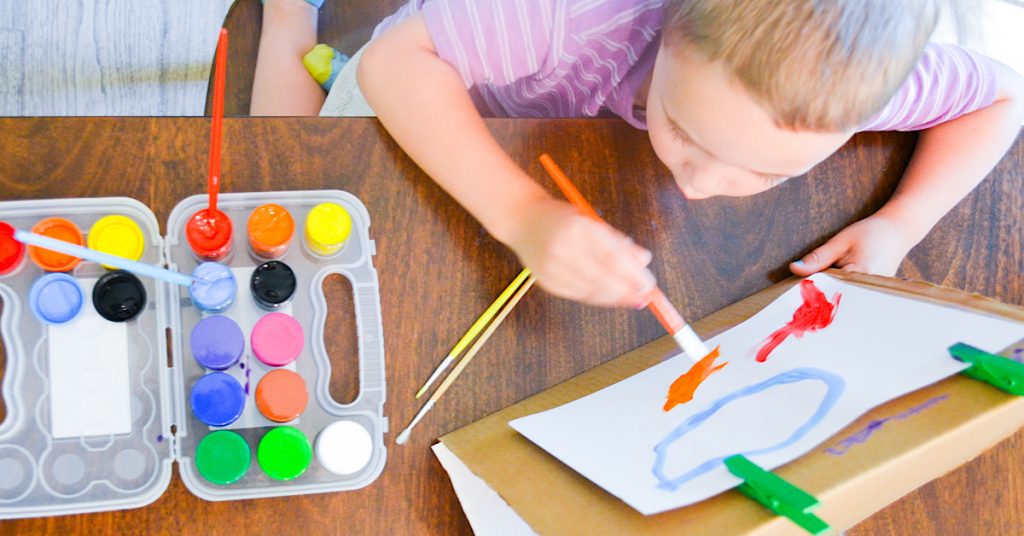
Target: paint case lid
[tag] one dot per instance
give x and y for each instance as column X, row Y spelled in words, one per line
column 102, row 444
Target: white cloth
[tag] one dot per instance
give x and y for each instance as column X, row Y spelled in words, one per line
column 345, row 99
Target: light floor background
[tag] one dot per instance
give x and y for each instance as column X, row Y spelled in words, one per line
column 107, row 57
column 153, row 57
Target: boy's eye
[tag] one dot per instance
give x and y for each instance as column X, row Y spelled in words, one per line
column 678, row 134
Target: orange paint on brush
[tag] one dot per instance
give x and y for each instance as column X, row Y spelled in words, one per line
column 815, row 313
column 681, row 391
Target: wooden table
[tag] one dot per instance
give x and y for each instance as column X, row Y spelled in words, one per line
column 438, row 270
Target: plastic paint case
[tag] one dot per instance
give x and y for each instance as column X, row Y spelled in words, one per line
column 57, row 476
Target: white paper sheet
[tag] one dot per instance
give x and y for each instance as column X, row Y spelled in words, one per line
column 878, row 347
column 89, row 383
column 486, row 511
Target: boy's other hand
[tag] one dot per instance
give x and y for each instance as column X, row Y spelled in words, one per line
column 874, row 245
column 580, row 259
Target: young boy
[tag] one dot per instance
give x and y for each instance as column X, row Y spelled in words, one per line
column 737, row 96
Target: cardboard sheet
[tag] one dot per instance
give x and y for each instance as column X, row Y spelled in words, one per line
column 920, row 436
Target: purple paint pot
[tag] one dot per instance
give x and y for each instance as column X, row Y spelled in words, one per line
column 217, row 399
column 217, row 342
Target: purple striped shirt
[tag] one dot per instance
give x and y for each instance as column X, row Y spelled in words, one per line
column 581, row 58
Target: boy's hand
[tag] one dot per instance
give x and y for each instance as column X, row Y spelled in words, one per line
column 581, row 259
column 874, row 245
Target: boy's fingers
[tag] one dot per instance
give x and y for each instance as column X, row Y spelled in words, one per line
column 642, row 256
column 821, row 258
column 609, row 293
column 856, row 267
column 625, row 266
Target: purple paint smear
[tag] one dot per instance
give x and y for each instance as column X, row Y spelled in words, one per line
column 862, row 436
column 248, row 373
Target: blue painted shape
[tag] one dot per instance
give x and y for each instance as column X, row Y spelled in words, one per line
column 835, row 384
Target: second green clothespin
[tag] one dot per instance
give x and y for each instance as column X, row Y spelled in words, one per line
column 776, row 494
column 1002, row 372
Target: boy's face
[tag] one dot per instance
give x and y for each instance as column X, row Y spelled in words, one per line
column 715, row 138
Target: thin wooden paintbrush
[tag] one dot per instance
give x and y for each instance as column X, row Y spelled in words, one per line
column 470, row 354
column 475, row 329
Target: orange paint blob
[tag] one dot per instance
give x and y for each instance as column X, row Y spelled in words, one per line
column 681, row 391
column 61, row 229
column 815, row 313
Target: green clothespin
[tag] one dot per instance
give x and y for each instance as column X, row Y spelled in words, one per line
column 776, row 494
column 996, row 370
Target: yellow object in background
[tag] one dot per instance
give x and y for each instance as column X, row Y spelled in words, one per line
column 327, row 228
column 117, row 235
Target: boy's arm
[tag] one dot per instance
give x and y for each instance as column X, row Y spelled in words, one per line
column 949, row 161
column 422, row 102
column 281, row 85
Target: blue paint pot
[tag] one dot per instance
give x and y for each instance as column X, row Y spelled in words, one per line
column 217, row 399
column 56, row 298
column 215, row 287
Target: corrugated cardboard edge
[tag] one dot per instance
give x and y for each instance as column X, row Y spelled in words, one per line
column 554, row 499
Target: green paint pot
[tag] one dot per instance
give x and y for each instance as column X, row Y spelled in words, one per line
column 223, row 457
column 284, row 453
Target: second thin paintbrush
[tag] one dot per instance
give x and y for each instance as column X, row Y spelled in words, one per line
column 475, row 329
column 470, row 354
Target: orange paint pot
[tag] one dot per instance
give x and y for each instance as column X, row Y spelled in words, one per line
column 281, row 395
column 61, row 229
column 270, row 230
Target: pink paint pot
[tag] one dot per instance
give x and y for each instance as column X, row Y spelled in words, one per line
column 277, row 339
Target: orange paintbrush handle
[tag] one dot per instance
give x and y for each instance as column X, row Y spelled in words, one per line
column 662, row 309
column 568, row 188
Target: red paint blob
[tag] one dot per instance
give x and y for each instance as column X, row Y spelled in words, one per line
column 815, row 313
column 11, row 251
column 681, row 391
column 281, row 395
column 209, row 234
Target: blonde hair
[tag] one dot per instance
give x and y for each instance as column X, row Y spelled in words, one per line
column 820, row 65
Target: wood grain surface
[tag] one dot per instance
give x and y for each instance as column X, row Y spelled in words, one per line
column 438, row 270
column 107, row 57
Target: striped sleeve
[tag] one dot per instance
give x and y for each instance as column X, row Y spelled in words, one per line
column 948, row 82
column 493, row 42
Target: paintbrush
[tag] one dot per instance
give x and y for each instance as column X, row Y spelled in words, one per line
column 470, row 354
column 657, row 302
column 73, row 250
column 475, row 329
